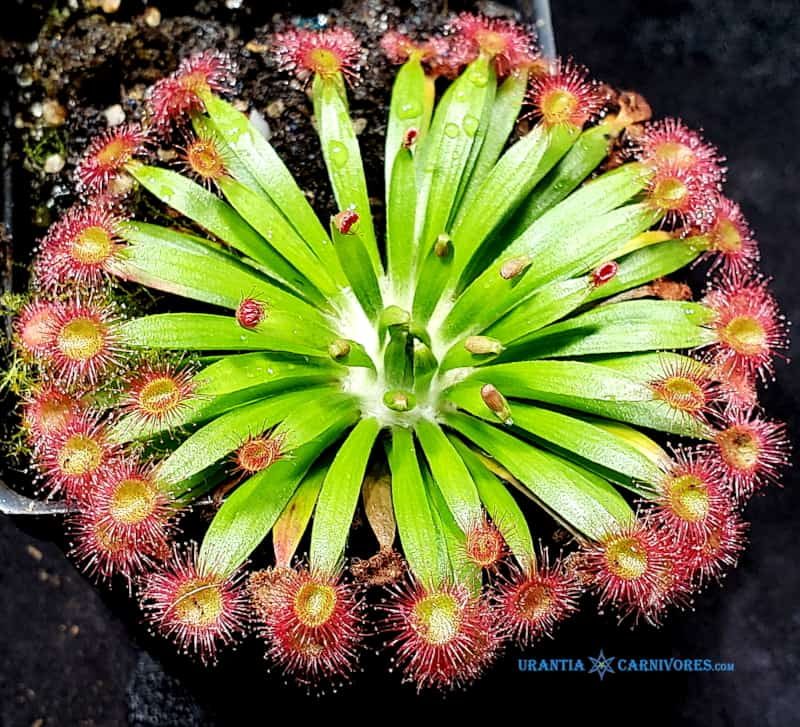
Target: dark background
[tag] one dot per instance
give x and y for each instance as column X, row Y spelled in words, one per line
column 73, row 655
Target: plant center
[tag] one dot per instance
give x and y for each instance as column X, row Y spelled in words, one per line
column 79, row 455
column 688, row 497
column 116, row 152
column 746, row 335
column 437, row 618
column 315, row 603
column 133, row 501
column 739, row 448
column 160, row 395
column 669, row 193
column 81, row 339
column 205, row 159
column 626, row 558
column 679, row 154
column 534, row 601
column 324, row 62
column 198, row 604
column 682, row 393
column 727, row 237
column 558, row 105
column 92, row 246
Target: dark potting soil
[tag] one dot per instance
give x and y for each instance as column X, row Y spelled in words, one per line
column 76, row 655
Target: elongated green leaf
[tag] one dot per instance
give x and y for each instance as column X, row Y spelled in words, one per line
column 205, row 332
column 343, row 160
column 248, row 514
column 447, row 148
column 407, row 110
column 586, row 387
column 517, row 172
column 501, row 505
column 293, row 522
column 264, row 164
column 359, row 268
column 581, row 248
column 229, row 382
column 650, row 263
column 228, row 432
column 573, row 436
column 641, row 325
column 200, row 205
column 167, row 260
column 635, row 438
column 461, row 569
column 575, row 497
column 339, row 497
column 401, row 209
column 422, row 543
column 450, row 473
column 503, row 115
column 584, row 157
column 549, row 304
column 269, row 222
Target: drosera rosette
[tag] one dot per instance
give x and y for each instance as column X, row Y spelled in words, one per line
column 512, row 339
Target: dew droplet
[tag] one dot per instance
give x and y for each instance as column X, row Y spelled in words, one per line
column 451, row 130
column 338, row 154
column 479, row 77
column 409, row 110
column 470, row 125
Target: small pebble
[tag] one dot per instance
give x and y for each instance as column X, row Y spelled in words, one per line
column 110, row 6
column 166, row 155
column 152, row 17
column 37, row 723
column 115, row 115
column 275, row 109
column 233, row 4
column 53, row 113
column 359, row 125
column 256, row 46
column 74, row 630
column 34, row 552
column 54, row 163
column 240, row 104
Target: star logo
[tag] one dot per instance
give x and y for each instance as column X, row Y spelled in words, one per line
column 602, row 665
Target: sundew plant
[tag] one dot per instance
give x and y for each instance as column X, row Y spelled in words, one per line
column 508, row 340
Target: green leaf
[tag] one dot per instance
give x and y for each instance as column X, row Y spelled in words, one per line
column 293, row 522
column 491, row 296
column 517, row 172
column 640, row 325
column 586, row 154
column 229, row 382
column 461, row 569
column 422, row 543
column 267, row 220
column 585, row 503
column 205, row 332
column 401, row 209
column 407, row 110
column 506, row 514
column 650, row 263
column 264, row 164
column 573, row 437
column 505, row 109
column 205, row 208
column 455, row 129
column 166, row 260
column 228, row 432
column 586, row 387
column 343, row 161
column 250, row 512
column 339, row 497
column 360, row 271
column 549, row 304
column 451, row 474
